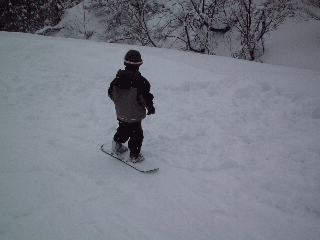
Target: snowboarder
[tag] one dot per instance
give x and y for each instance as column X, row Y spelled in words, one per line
column 130, row 92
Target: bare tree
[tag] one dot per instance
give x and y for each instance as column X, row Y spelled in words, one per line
column 77, row 25
column 29, row 15
column 202, row 26
column 141, row 11
column 129, row 21
column 253, row 19
column 207, row 23
column 199, row 21
column 312, row 8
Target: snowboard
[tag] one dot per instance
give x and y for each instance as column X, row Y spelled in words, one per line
column 144, row 166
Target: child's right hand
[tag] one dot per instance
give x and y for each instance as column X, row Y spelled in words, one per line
column 151, row 110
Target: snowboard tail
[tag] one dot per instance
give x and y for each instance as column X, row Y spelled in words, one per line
column 144, row 166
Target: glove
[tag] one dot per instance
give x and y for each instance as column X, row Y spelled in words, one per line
column 151, row 110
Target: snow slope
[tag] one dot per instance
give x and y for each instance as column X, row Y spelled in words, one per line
column 294, row 44
column 237, row 144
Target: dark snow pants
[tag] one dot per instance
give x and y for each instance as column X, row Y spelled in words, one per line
column 132, row 132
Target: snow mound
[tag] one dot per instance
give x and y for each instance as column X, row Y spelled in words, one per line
column 294, row 44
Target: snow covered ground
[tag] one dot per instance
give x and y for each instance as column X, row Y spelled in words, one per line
column 296, row 44
column 237, row 144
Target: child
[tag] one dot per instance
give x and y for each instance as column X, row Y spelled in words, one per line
column 130, row 92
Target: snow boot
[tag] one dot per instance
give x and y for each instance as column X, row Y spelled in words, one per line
column 118, row 148
column 136, row 158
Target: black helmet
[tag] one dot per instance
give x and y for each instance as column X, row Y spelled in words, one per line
column 133, row 57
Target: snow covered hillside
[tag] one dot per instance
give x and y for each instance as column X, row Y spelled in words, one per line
column 216, row 31
column 294, row 44
column 237, row 144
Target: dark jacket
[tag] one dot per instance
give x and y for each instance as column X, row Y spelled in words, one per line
column 130, row 92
